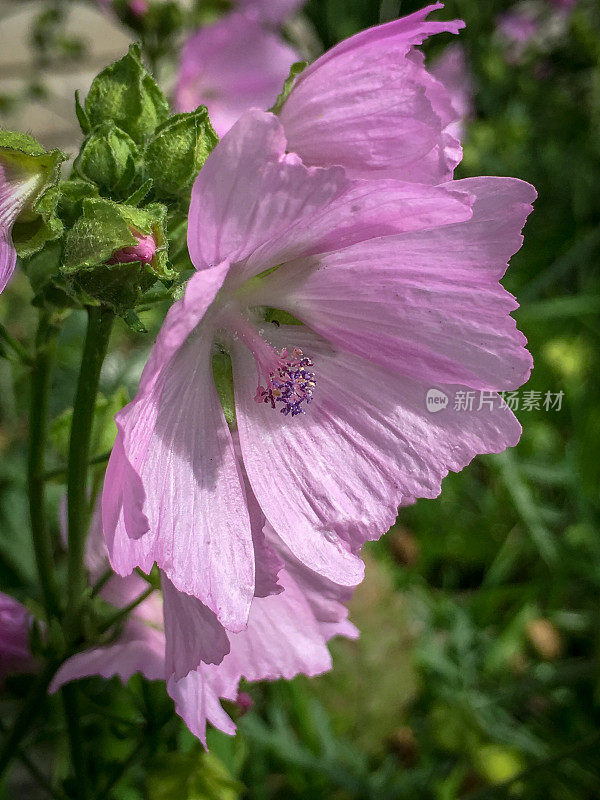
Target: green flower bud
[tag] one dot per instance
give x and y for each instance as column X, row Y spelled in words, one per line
column 125, row 93
column 115, row 252
column 176, row 153
column 109, row 157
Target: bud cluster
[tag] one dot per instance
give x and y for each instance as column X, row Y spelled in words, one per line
column 102, row 236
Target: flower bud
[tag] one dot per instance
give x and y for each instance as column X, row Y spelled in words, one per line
column 109, row 157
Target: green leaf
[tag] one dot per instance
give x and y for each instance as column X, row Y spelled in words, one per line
column 110, row 158
column 193, row 776
column 295, row 70
column 126, row 94
column 178, row 150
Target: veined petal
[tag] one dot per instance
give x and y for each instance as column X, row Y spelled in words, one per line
column 173, row 492
column 254, row 205
column 197, row 703
column 283, row 639
column 192, row 631
column 331, row 478
column 369, row 104
column 426, row 304
column 16, row 188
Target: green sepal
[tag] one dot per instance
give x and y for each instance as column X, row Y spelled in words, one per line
column 177, row 151
column 70, row 202
column 288, row 85
column 100, row 230
column 30, row 236
column 223, row 378
column 126, row 94
column 140, row 194
column 43, row 271
column 110, row 158
column 82, row 117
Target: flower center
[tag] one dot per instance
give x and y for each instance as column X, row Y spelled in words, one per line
column 285, row 377
column 290, row 383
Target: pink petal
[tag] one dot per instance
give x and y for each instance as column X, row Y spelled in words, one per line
column 283, row 638
column 425, row 304
column 368, row 104
column 196, row 702
column 174, row 472
column 143, row 653
column 254, row 205
column 8, row 257
column 230, row 66
column 193, row 633
column 335, row 476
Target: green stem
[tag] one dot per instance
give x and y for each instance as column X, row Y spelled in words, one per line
column 38, row 430
column 30, row 710
column 22, row 354
column 71, row 707
column 126, row 610
column 100, row 322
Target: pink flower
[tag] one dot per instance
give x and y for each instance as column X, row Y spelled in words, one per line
column 451, row 70
column 396, row 285
column 230, row 66
column 370, row 105
column 15, row 624
column 274, row 11
column 176, row 640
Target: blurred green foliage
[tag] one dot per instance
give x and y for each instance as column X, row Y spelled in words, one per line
column 476, row 675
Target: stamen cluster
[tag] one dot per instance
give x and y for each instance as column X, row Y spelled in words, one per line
column 291, row 383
